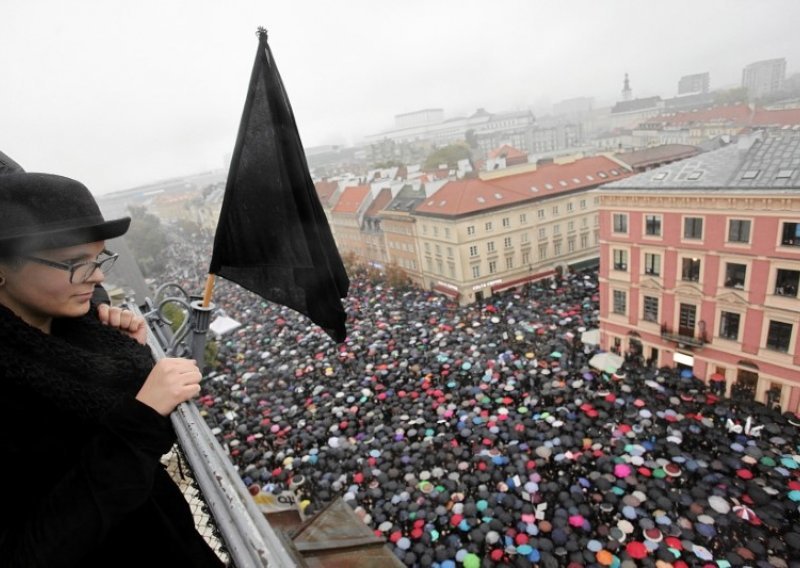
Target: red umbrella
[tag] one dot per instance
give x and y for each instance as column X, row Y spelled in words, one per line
column 746, row 514
column 636, row 549
column 744, row 473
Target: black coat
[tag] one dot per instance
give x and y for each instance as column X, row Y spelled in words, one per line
column 84, row 485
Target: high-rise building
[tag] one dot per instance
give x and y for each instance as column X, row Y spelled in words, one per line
column 764, row 77
column 693, row 84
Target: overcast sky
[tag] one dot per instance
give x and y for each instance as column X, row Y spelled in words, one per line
column 119, row 94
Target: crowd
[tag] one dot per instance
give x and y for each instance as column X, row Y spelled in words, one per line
column 482, row 435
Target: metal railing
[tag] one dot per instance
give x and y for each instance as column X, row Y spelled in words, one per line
column 250, row 541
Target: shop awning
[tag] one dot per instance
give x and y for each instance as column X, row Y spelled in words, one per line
column 449, row 292
column 520, row 281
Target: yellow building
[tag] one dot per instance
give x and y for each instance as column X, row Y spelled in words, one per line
column 478, row 237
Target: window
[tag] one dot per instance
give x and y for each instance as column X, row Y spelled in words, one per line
column 523, row 238
column 687, row 317
column 476, row 271
column 734, row 275
column 492, row 266
column 526, row 257
column 690, row 270
column 523, row 218
column 620, row 223
column 791, row 235
column 542, row 252
column 447, row 232
column 779, row 335
column 787, row 283
column 620, row 302
column 693, row 228
column 555, row 209
column 509, row 262
column 452, row 269
column 584, row 222
column 506, row 222
column 583, row 204
column 556, row 229
column 428, row 248
column 473, row 250
column 571, row 244
column 540, row 213
column 570, row 226
column 650, row 312
column 507, row 242
column 569, row 206
column 424, row 229
column 429, row 264
column 490, row 246
column 435, row 231
column 652, row 225
column 438, row 249
column 652, row 264
column 584, row 240
column 542, row 233
column 738, row 231
column 729, row 325
column 620, row 260
column 557, row 248
column 488, row 225
column 471, row 229
column 439, row 267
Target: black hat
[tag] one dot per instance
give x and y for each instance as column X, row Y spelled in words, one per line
column 41, row 211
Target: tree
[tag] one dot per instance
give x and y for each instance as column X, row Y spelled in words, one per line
column 727, row 97
column 396, row 277
column 147, row 239
column 449, row 155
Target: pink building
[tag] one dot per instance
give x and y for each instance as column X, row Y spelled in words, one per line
column 700, row 266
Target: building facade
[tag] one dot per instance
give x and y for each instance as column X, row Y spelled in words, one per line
column 700, row 267
column 478, row 237
column 764, row 77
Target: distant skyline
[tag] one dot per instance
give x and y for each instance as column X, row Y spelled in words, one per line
column 119, row 95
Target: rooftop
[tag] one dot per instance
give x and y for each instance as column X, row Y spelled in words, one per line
column 468, row 196
column 765, row 159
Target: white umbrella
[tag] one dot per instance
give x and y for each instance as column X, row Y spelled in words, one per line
column 591, row 337
column 608, row 362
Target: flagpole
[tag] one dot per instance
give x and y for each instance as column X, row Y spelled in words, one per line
column 209, row 290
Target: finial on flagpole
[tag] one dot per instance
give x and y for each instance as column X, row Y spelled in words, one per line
column 262, row 33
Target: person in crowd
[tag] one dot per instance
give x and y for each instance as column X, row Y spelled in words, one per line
column 86, row 409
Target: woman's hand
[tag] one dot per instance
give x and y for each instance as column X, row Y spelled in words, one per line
column 171, row 382
column 124, row 320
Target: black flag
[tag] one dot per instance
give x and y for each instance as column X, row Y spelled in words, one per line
column 272, row 236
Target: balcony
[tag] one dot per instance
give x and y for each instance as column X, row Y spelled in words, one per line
column 684, row 338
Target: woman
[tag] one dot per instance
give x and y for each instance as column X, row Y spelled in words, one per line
column 85, row 410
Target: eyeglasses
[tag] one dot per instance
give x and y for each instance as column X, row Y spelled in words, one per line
column 80, row 272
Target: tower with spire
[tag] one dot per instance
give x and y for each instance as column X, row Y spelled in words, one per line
column 627, row 94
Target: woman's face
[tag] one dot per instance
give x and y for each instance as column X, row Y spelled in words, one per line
column 38, row 293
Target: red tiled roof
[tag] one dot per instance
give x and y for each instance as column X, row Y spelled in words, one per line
column 473, row 195
column 741, row 115
column 351, row 199
column 507, row 151
column 738, row 114
column 382, row 200
column 788, row 116
column 325, row 189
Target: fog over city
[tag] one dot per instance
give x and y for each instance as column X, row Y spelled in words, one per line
column 120, row 94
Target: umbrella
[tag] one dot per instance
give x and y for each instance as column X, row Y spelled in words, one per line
column 746, row 513
column 591, row 337
column 608, row 362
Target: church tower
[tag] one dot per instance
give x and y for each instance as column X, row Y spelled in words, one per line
column 627, row 94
